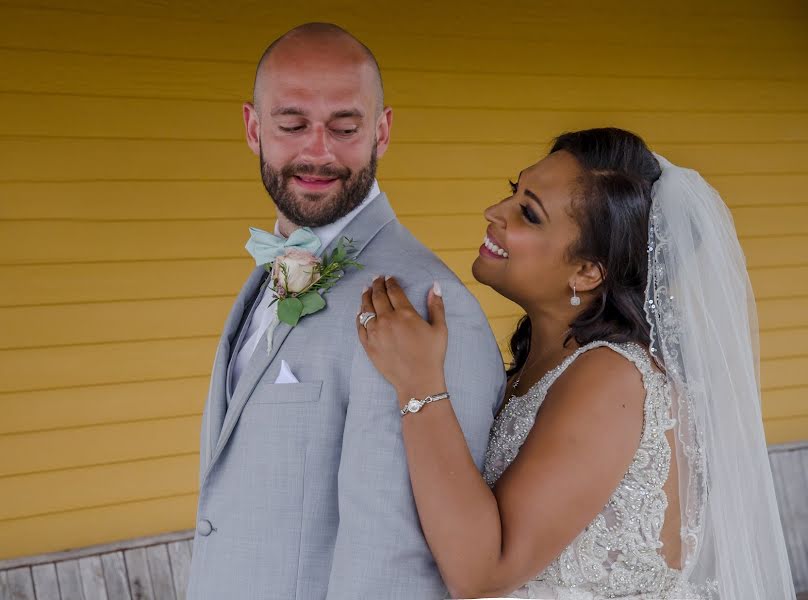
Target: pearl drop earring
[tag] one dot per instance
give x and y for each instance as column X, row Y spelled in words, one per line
column 575, row 300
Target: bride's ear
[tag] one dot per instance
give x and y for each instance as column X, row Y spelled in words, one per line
column 588, row 276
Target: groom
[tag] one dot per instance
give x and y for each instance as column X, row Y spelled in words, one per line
column 304, row 489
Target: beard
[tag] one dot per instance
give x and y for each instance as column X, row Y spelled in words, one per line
column 317, row 209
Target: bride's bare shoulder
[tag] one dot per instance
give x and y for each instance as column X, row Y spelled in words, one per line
column 601, row 389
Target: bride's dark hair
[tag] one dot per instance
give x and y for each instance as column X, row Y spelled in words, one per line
column 611, row 204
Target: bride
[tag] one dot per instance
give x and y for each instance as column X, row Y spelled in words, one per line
column 628, row 458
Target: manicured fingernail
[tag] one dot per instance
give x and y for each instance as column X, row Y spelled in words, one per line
column 364, row 290
column 388, row 278
column 436, row 290
column 375, row 277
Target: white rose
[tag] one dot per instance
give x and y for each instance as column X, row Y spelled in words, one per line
column 294, row 271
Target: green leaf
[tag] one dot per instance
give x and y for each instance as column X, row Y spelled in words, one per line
column 290, row 310
column 312, row 302
column 341, row 253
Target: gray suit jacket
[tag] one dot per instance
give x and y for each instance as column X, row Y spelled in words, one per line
column 304, row 490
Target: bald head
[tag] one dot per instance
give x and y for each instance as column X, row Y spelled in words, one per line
column 322, row 42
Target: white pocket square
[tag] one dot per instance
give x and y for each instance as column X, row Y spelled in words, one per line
column 286, row 375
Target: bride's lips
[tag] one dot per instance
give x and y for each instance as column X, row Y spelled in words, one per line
column 491, row 248
column 314, row 184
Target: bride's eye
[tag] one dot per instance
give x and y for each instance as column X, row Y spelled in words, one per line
column 529, row 214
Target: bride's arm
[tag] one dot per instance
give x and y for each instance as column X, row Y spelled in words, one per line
column 488, row 543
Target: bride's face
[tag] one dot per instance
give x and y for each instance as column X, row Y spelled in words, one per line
column 525, row 255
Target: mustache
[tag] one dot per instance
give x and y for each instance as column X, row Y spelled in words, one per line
column 326, row 171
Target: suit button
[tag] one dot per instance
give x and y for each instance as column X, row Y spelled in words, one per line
column 204, row 527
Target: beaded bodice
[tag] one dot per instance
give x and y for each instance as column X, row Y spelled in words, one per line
column 618, row 553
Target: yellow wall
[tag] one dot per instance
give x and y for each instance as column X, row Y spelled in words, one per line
column 126, row 191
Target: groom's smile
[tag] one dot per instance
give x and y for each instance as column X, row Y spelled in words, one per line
column 313, row 184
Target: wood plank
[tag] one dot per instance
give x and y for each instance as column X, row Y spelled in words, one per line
column 115, row 159
column 113, row 363
column 784, row 343
column 86, row 527
column 781, row 431
column 777, row 251
column 160, row 572
column 143, row 280
column 123, row 240
column 119, row 321
column 92, row 578
column 782, row 312
column 784, row 403
column 247, row 199
column 69, row 577
column 137, row 573
column 19, row 584
column 46, row 584
column 30, row 495
column 112, row 32
column 754, row 190
column 452, row 53
column 166, row 200
column 22, row 370
column 778, row 282
column 180, row 556
column 139, row 280
column 764, row 257
column 86, row 74
column 759, row 221
column 790, row 473
column 73, row 554
column 99, row 444
column 95, row 117
column 510, row 14
column 784, row 372
column 115, row 576
column 99, row 404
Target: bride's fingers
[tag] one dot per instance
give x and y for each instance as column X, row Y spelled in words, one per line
column 396, row 294
column 361, row 331
column 366, row 306
column 366, row 303
column 381, row 301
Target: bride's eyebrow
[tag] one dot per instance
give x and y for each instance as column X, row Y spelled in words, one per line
column 533, row 196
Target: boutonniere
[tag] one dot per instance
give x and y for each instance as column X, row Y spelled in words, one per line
column 300, row 279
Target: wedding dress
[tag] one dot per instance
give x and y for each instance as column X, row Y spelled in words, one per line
column 618, row 554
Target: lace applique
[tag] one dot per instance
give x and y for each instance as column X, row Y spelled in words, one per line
column 618, row 554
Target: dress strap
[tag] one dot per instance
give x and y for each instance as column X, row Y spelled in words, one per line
column 629, row 350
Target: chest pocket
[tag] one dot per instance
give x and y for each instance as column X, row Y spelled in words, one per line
column 286, row 393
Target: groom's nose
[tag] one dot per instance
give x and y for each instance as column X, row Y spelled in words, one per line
column 316, row 149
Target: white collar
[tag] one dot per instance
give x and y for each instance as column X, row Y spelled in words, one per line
column 327, row 233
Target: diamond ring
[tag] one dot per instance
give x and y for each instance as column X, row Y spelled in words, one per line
column 365, row 318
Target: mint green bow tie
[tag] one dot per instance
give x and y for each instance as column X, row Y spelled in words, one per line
column 265, row 247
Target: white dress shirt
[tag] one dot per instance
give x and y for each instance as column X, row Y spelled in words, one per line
column 263, row 319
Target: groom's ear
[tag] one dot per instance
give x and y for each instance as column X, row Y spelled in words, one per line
column 252, row 127
column 589, row 276
column 384, row 123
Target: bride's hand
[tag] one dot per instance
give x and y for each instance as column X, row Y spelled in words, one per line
column 405, row 348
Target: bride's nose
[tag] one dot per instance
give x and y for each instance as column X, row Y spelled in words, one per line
column 495, row 214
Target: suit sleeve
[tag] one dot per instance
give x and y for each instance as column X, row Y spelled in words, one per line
column 380, row 549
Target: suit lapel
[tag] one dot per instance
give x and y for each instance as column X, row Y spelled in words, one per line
column 362, row 229
column 217, row 394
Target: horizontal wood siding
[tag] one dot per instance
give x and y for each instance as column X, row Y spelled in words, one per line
column 126, row 190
